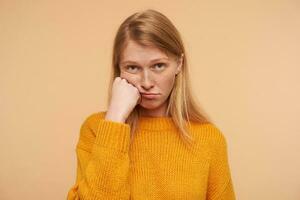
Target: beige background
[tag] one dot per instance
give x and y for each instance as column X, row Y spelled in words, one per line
column 55, row 63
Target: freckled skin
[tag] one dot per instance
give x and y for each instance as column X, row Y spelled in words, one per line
column 149, row 76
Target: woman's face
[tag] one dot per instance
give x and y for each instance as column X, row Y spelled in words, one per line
column 150, row 71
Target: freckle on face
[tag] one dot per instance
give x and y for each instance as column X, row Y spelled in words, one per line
column 142, row 55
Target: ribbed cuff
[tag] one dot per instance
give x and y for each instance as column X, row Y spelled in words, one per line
column 114, row 135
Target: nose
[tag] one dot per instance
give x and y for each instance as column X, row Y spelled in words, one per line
column 146, row 82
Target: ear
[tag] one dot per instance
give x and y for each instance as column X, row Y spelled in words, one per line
column 179, row 66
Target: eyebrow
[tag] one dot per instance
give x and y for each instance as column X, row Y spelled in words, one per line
column 153, row 60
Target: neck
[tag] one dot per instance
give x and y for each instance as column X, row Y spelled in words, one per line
column 160, row 111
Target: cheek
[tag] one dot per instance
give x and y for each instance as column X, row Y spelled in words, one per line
column 130, row 78
column 167, row 84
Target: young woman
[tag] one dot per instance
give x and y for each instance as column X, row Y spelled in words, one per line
column 153, row 142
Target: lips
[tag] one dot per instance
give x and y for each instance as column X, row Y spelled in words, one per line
column 149, row 95
column 145, row 93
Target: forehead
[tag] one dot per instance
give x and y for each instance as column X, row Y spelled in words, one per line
column 138, row 53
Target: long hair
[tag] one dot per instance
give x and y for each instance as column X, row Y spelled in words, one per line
column 152, row 28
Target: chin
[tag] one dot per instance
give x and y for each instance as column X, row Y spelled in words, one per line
column 148, row 105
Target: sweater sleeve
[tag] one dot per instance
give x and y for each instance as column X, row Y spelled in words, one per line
column 102, row 160
column 220, row 186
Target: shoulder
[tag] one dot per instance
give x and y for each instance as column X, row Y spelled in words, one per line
column 88, row 130
column 208, row 133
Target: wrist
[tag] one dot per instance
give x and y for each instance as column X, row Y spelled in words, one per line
column 114, row 116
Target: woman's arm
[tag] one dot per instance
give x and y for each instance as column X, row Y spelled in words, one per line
column 220, row 186
column 102, row 160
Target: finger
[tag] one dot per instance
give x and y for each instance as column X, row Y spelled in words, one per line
column 140, row 99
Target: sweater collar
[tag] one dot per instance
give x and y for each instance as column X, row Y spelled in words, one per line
column 156, row 123
column 153, row 123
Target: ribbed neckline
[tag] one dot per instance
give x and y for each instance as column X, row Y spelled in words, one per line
column 153, row 123
column 156, row 123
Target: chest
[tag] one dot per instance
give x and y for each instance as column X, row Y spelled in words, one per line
column 166, row 168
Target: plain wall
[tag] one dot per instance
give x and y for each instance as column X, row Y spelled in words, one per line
column 55, row 61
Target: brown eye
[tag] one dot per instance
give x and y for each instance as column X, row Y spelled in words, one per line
column 130, row 67
column 160, row 65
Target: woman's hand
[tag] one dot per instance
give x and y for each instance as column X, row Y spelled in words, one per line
column 125, row 97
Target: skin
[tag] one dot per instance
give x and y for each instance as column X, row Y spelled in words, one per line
column 138, row 67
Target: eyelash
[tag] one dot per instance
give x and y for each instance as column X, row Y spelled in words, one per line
column 160, row 64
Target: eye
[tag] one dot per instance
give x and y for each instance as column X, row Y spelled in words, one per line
column 129, row 67
column 161, row 65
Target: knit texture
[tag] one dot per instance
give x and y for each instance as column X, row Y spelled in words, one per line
column 156, row 165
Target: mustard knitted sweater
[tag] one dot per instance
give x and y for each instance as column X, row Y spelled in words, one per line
column 157, row 165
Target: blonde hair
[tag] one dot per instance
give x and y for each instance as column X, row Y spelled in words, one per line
column 152, row 28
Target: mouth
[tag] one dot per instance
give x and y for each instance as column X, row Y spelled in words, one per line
column 149, row 95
